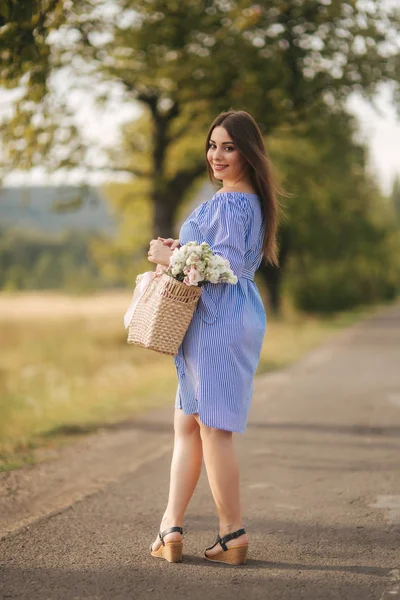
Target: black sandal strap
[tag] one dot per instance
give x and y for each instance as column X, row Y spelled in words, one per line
column 216, row 542
column 167, row 531
column 230, row 536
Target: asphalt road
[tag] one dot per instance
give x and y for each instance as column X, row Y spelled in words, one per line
column 320, row 477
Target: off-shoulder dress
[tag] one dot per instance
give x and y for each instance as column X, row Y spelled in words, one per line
column 220, row 352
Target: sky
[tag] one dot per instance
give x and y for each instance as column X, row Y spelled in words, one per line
column 379, row 128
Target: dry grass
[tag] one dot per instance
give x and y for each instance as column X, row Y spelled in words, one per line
column 65, row 366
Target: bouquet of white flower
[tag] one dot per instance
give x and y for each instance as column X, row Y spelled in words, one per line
column 196, row 264
column 164, row 300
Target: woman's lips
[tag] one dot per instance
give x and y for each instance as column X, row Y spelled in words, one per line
column 219, row 167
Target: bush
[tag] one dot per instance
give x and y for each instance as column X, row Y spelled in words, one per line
column 33, row 261
column 331, row 286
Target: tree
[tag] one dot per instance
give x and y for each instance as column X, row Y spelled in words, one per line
column 24, row 49
column 185, row 62
column 340, row 242
column 40, row 121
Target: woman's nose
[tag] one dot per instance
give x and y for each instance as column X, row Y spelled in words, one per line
column 217, row 154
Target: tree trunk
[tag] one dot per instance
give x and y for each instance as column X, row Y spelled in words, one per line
column 167, row 194
column 164, row 215
column 273, row 276
column 170, row 195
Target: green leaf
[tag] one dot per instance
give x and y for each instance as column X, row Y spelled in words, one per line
column 5, row 10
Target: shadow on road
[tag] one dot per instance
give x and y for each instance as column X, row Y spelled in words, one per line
column 389, row 431
column 184, row 581
column 157, row 427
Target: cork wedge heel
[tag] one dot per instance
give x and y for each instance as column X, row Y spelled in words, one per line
column 170, row 551
column 236, row 555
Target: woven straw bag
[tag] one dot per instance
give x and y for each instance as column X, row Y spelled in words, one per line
column 163, row 314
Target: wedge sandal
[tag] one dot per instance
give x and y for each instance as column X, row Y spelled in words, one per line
column 236, row 555
column 170, row 551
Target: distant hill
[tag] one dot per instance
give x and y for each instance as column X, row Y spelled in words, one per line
column 55, row 209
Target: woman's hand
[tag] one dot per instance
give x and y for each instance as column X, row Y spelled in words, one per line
column 159, row 253
column 171, row 243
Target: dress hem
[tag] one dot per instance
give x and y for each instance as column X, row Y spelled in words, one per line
column 208, row 424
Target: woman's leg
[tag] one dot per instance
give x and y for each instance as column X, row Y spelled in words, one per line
column 185, row 471
column 223, row 476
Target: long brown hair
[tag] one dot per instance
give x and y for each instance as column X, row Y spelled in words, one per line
column 246, row 134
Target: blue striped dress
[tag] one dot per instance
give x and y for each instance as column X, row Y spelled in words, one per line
column 219, row 354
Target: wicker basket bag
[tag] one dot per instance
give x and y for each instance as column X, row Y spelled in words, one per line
column 163, row 314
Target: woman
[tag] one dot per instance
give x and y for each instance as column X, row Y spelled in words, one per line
column 220, row 352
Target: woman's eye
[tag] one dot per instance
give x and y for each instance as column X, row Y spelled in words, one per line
column 230, row 148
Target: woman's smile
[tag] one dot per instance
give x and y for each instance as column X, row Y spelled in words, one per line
column 220, row 147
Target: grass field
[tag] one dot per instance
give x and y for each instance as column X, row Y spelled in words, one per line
column 66, row 369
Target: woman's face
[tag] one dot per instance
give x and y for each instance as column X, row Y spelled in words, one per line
column 225, row 159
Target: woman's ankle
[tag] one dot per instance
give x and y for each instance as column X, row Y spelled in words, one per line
column 227, row 528
column 171, row 521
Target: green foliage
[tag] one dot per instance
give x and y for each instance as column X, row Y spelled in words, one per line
column 24, row 48
column 275, row 59
column 344, row 245
column 120, row 259
column 358, row 280
column 29, row 261
column 185, row 62
column 40, row 121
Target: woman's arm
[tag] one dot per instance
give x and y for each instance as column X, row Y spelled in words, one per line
column 223, row 226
